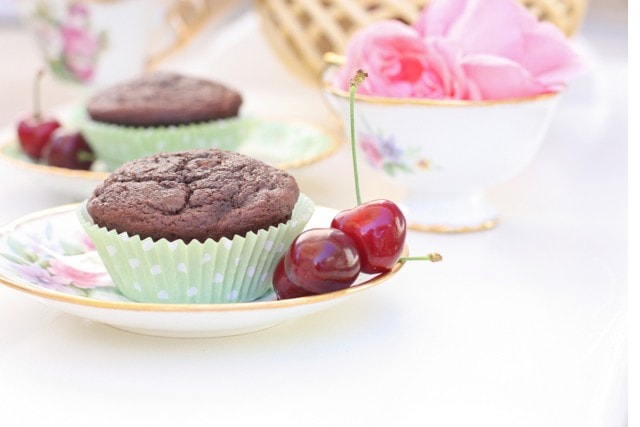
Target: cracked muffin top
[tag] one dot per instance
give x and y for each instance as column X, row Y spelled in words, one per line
column 193, row 195
column 164, row 99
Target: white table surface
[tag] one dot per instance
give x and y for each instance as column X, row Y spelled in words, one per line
column 522, row 325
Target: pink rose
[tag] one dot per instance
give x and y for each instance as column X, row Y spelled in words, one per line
column 462, row 49
column 400, row 64
column 506, row 52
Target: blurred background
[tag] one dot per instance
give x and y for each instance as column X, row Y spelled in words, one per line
column 602, row 25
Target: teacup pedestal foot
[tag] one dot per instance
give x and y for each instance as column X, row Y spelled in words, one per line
column 449, row 213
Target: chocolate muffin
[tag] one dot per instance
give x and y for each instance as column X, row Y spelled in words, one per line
column 164, row 99
column 193, row 195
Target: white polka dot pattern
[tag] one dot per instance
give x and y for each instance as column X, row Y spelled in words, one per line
column 199, row 272
column 251, row 271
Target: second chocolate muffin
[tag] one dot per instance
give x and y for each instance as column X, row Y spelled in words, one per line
column 164, row 99
column 193, row 195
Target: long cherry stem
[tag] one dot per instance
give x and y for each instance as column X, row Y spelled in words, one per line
column 353, row 87
column 37, row 111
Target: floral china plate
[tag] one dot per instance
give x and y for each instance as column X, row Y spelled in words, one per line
column 285, row 144
column 47, row 255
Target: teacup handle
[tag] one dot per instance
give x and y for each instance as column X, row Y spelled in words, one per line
column 332, row 60
column 185, row 19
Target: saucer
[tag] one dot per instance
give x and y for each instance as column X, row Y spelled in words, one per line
column 77, row 184
column 285, row 144
column 47, row 255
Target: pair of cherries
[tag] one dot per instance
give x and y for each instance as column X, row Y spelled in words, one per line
column 44, row 139
column 368, row 238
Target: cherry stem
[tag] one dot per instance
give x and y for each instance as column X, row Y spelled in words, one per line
column 36, row 94
column 433, row 257
column 85, row 156
column 353, row 87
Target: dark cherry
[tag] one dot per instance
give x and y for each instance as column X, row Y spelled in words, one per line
column 369, row 238
column 68, row 149
column 285, row 288
column 379, row 230
column 322, row 260
column 34, row 131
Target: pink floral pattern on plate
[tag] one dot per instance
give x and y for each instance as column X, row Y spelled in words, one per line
column 69, row 45
column 49, row 256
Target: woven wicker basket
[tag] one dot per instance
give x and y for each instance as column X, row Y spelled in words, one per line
column 301, row 31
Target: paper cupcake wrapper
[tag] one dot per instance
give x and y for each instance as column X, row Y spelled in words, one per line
column 224, row 271
column 115, row 144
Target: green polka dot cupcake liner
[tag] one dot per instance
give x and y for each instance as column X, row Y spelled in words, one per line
column 115, row 145
column 213, row 272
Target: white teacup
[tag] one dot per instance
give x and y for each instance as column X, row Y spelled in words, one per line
column 446, row 153
column 97, row 43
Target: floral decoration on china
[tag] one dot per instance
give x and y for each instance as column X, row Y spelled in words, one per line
column 383, row 152
column 462, row 50
column 72, row 49
column 58, row 263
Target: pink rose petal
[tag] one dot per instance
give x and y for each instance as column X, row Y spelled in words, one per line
column 437, row 19
column 479, row 26
column 500, row 78
column 549, row 57
column 393, row 55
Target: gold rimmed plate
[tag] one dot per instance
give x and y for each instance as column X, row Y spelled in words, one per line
column 285, row 144
column 48, row 256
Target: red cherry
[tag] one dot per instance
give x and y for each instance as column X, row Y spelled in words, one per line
column 68, row 149
column 379, row 229
column 285, row 288
column 322, row 260
column 34, row 133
